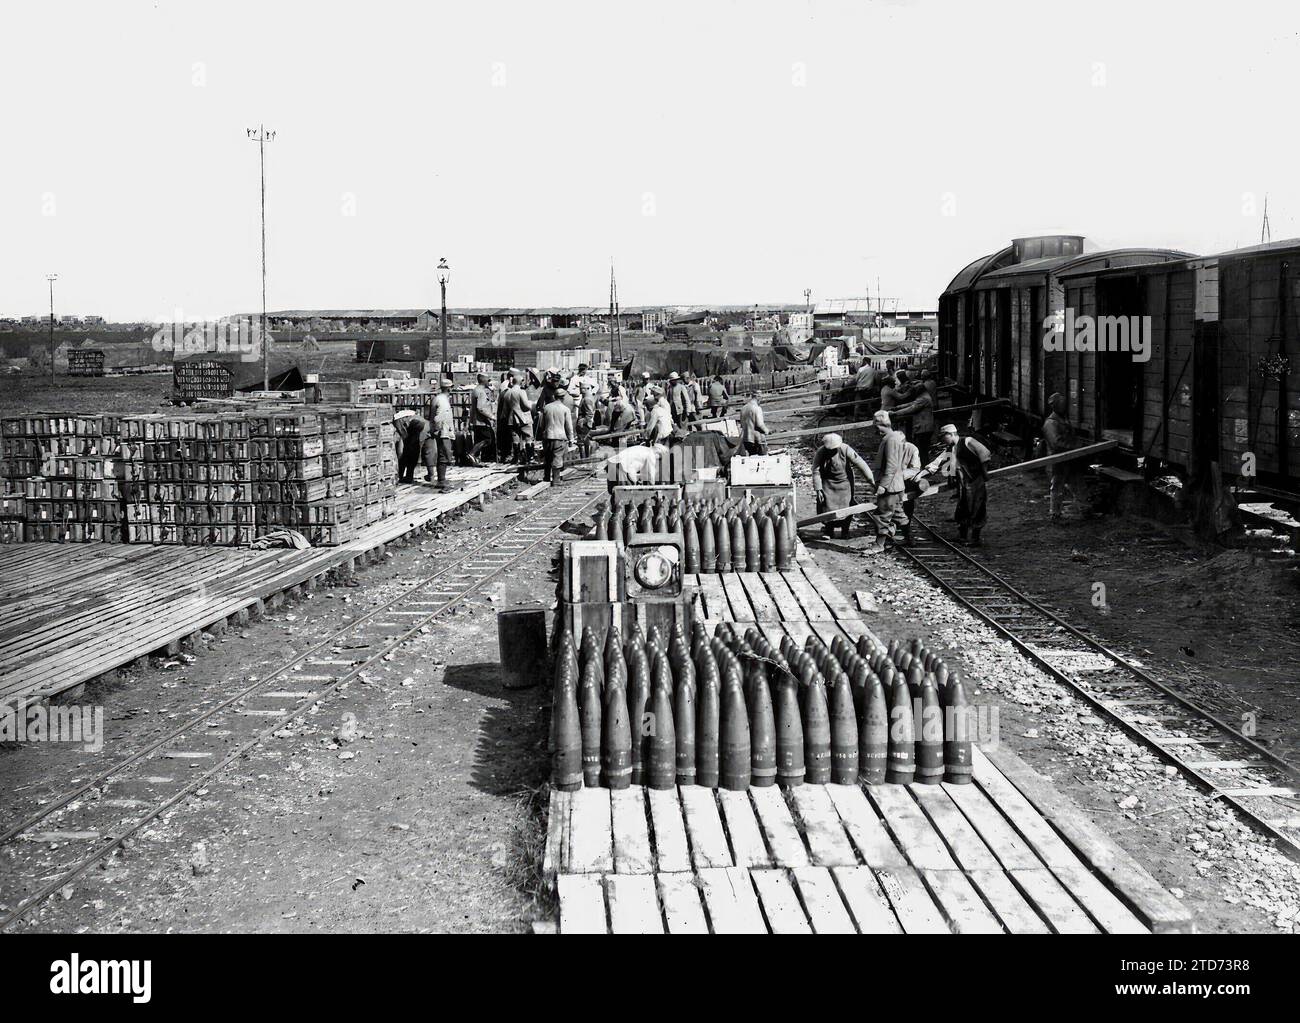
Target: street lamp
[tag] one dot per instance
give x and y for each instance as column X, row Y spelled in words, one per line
column 444, row 275
column 261, row 136
column 51, row 278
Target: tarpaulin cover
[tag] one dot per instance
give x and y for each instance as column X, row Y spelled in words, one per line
column 660, row 361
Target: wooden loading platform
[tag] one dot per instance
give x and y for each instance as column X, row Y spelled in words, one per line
column 70, row 613
column 1007, row 854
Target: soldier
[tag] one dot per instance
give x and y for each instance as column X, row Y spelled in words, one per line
column 412, row 434
column 658, row 417
column 920, row 406
column 696, row 393
column 444, row 432
column 518, row 414
column 1058, row 436
column 718, row 397
column 964, row 460
column 753, row 427
column 890, row 483
column 556, row 423
column 586, row 418
column 484, row 422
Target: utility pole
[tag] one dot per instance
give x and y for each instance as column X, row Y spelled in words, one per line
column 444, row 275
column 1265, row 231
column 615, row 327
column 807, row 300
column 51, row 278
column 261, row 136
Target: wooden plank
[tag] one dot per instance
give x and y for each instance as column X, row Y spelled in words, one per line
column 962, row 840
column 730, row 900
column 782, row 596
column 1062, row 913
column 591, row 833
column 1008, row 904
column 633, row 904
column 915, row 909
column 1127, row 878
column 1011, row 850
column 822, row 899
column 742, row 827
column 910, row 827
column 778, row 827
column 839, row 604
column 715, row 599
column 704, row 828
column 765, row 609
column 780, row 902
column 827, row 841
column 671, row 849
column 798, row 631
column 557, row 824
column 741, row 609
column 865, row 829
column 631, row 831
column 683, row 910
column 866, row 902
column 814, row 607
column 1100, row 903
column 960, row 903
column 582, row 904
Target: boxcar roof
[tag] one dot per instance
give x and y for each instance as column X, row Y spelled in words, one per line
column 1088, row 263
column 972, row 272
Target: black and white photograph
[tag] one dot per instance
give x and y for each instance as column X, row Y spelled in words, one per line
column 785, row 467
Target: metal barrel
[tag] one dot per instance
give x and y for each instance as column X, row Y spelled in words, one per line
column 521, row 641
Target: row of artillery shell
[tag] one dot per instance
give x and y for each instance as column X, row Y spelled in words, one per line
column 733, row 711
column 738, row 536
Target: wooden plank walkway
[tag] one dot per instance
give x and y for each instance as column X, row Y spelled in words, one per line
column 72, row 612
column 1008, row 854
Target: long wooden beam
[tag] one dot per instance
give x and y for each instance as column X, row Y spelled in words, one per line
column 1007, row 470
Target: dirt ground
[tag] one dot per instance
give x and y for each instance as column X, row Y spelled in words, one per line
column 401, row 805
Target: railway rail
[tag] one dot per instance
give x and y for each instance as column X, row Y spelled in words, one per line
column 107, row 808
column 1229, row 765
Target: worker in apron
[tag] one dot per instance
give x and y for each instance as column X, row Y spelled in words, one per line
column 833, row 482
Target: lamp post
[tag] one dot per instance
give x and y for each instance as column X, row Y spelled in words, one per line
column 51, row 278
column 261, row 136
column 444, row 275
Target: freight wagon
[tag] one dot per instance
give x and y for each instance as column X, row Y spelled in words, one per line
column 1208, row 382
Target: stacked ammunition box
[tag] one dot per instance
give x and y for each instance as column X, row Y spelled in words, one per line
column 197, row 479
column 59, row 483
column 186, row 480
column 193, row 379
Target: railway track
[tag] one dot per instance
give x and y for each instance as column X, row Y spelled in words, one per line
column 1231, row 766
column 102, row 812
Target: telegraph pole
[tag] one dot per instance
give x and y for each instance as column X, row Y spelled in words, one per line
column 51, row 278
column 261, row 136
column 444, row 275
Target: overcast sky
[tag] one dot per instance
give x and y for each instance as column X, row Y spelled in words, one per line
column 726, row 152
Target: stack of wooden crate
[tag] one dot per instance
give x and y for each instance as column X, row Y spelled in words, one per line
column 186, row 479
column 205, row 478
column 59, row 478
